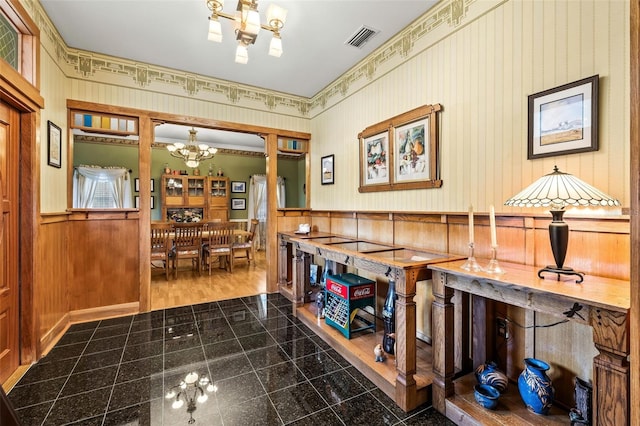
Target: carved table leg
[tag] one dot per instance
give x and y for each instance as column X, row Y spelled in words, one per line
column 610, row 368
column 406, row 388
column 442, row 342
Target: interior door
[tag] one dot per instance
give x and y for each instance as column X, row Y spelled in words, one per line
column 9, row 250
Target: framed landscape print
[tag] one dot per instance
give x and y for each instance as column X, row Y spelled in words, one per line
column 401, row 152
column 54, row 145
column 238, row 204
column 564, row 120
column 326, row 164
column 238, row 186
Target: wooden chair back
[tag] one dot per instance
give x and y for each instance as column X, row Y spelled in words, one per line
column 161, row 244
column 187, row 243
column 219, row 242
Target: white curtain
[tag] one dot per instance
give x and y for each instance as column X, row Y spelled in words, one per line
column 101, row 187
column 257, row 208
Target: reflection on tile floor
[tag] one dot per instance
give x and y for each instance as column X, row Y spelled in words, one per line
column 269, row 369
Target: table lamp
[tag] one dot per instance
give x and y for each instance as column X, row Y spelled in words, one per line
column 558, row 190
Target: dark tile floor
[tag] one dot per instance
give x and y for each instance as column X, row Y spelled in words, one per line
column 268, row 367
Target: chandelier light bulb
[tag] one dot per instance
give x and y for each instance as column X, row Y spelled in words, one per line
column 170, row 394
column 242, row 55
column 212, row 388
column 275, row 48
column 177, row 404
column 203, row 398
column 215, row 30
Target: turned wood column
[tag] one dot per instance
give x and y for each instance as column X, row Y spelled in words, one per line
column 442, row 341
column 406, row 389
column 301, row 270
column 610, row 368
column 284, row 265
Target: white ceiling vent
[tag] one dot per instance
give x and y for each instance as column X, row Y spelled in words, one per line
column 360, row 37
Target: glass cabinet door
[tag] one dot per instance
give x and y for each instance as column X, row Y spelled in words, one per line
column 173, row 190
column 195, row 190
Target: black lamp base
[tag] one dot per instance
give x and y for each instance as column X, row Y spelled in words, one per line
column 561, row 271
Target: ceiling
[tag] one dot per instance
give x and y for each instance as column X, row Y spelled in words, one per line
column 173, row 33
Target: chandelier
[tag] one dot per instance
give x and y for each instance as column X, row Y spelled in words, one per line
column 191, row 390
column 247, row 26
column 191, row 152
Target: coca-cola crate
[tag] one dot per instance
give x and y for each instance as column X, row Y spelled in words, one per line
column 346, row 296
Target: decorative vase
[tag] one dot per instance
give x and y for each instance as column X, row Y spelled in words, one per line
column 489, row 374
column 535, row 386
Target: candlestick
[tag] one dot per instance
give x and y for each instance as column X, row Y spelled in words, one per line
column 494, row 267
column 471, row 264
column 492, row 224
column 471, row 224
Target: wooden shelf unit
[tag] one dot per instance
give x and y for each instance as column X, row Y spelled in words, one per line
column 603, row 304
column 203, row 196
column 405, row 383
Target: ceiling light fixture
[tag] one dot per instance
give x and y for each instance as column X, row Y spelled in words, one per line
column 191, row 152
column 247, row 26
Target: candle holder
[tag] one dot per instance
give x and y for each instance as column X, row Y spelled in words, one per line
column 471, row 264
column 494, row 267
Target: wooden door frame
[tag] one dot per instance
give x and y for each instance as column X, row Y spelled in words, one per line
column 147, row 120
column 21, row 91
column 634, row 171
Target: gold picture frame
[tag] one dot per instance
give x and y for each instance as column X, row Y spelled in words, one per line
column 402, row 152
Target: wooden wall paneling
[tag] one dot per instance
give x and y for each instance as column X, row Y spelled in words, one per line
column 376, row 227
column 345, row 224
column 320, row 222
column 288, row 219
column 104, row 256
column 427, row 232
column 51, row 292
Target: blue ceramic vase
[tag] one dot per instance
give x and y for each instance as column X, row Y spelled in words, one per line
column 486, row 395
column 535, row 386
column 489, row 374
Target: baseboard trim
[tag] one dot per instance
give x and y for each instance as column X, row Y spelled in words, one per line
column 52, row 336
column 104, row 312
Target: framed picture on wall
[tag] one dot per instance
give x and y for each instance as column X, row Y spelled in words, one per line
column 136, row 185
column 326, row 164
column 238, row 187
column 374, row 159
column 564, row 120
column 238, row 204
column 54, row 144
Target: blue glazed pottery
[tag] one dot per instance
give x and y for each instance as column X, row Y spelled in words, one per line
column 489, row 374
column 486, row 395
column 535, row 386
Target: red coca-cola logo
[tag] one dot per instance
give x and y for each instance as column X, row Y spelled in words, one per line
column 361, row 292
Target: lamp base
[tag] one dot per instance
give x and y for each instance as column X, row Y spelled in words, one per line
column 561, row 271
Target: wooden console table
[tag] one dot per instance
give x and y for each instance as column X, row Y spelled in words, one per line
column 603, row 304
column 397, row 263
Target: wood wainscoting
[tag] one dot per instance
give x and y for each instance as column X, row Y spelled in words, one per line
column 87, row 269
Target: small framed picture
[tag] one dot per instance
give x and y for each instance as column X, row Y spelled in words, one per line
column 239, row 187
column 564, row 120
column 238, row 204
column 136, row 185
column 327, row 169
column 137, row 202
column 54, row 141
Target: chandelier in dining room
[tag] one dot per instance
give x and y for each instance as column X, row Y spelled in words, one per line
column 191, row 152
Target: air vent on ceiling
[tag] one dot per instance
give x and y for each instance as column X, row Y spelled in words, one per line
column 360, row 37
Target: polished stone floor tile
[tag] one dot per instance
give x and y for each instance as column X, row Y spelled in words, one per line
column 268, row 367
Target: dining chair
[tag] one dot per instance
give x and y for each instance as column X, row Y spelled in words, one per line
column 161, row 245
column 246, row 246
column 218, row 244
column 187, row 244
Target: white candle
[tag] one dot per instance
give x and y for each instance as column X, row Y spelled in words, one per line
column 470, row 224
column 492, row 224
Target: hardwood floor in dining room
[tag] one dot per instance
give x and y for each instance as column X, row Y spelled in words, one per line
column 191, row 288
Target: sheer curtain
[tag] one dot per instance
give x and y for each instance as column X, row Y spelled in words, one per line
column 257, row 208
column 101, row 187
